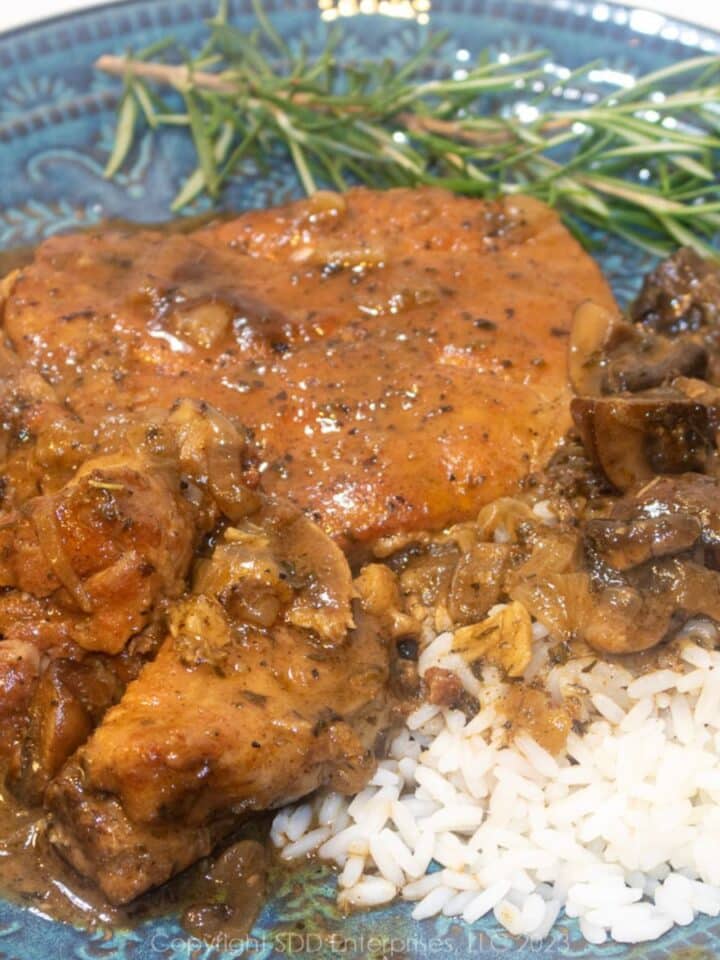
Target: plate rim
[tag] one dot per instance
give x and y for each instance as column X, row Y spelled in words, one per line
column 573, row 7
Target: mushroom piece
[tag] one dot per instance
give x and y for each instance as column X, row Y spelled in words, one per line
column 702, row 392
column 689, row 495
column 629, row 612
column 595, row 330
column 654, row 362
column 622, row 620
column 681, row 294
column 624, row 544
column 633, row 438
column 278, row 565
column 608, row 355
column 210, row 449
column 637, row 615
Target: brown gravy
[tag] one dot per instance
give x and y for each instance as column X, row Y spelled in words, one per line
column 223, row 894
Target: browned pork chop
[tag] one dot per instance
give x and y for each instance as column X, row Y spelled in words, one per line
column 381, row 361
column 399, row 356
column 266, row 688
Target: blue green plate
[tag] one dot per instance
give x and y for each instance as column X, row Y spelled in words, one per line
column 56, row 125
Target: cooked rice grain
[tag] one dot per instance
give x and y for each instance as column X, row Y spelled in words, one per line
column 621, row 830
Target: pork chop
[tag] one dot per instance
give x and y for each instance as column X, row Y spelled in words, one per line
column 265, row 688
column 399, row 357
column 372, row 363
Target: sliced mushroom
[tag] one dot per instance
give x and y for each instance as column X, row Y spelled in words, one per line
column 682, row 294
column 595, row 330
column 278, row 564
column 700, row 391
column 640, row 614
column 633, row 438
column 626, row 544
column 654, row 362
column 608, row 355
column 319, row 572
column 622, row 620
column 209, row 449
column 687, row 495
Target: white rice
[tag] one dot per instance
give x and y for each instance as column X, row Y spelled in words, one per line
column 621, row 831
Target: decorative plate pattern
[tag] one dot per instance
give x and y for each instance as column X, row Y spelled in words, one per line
column 56, row 123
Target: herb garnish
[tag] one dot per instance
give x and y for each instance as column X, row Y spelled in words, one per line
column 641, row 162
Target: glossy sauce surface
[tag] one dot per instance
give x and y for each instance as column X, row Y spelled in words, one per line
column 221, row 895
column 398, row 357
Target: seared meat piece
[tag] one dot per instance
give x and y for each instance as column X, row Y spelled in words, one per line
column 83, row 571
column 249, row 704
column 103, row 550
column 67, row 702
column 89, row 566
column 400, row 356
column 19, row 665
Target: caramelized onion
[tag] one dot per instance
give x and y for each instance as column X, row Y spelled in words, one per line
column 45, row 523
column 504, row 638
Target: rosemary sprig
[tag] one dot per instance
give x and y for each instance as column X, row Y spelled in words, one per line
column 641, row 162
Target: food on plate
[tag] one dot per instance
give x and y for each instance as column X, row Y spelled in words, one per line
column 396, row 359
column 170, row 402
column 299, row 499
column 564, row 755
column 268, row 685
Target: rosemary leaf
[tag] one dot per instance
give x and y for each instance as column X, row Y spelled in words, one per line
column 203, row 143
column 269, row 30
column 145, row 101
column 196, row 182
column 124, row 132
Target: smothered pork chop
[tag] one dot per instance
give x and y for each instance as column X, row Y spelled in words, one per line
column 195, row 427
column 398, row 358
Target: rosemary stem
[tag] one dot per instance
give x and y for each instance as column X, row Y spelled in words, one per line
column 181, row 77
column 178, row 76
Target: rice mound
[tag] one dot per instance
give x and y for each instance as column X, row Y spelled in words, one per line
column 621, row 830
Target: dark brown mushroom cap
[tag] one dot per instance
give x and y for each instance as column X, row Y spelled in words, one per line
column 652, row 603
column 681, row 294
column 651, row 362
column 688, row 494
column 623, row 544
column 607, row 355
column 634, row 437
